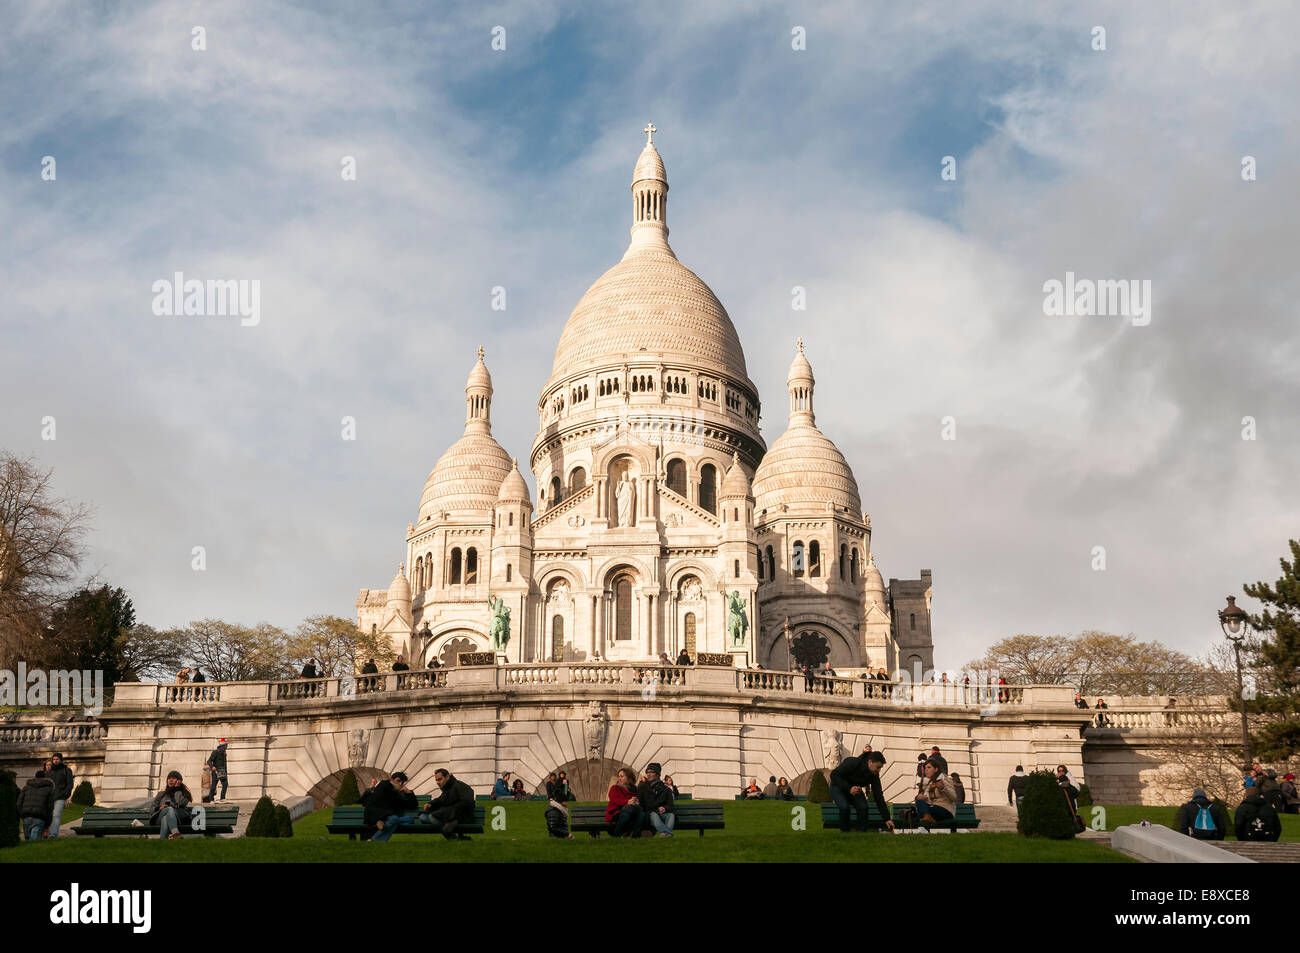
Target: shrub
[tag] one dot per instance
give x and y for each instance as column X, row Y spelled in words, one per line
column 8, row 810
column 262, row 823
column 349, row 793
column 283, row 822
column 1044, row 812
column 1085, row 796
column 83, row 795
column 819, row 791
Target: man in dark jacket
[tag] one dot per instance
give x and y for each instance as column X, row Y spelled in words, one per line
column 385, row 805
column 656, row 801
column 370, row 668
column 1202, row 819
column 452, row 808
column 1017, row 785
column 1256, row 819
column 35, row 805
column 217, row 764
column 62, row 777
column 851, row 780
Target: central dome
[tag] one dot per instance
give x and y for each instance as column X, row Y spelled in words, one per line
column 650, row 303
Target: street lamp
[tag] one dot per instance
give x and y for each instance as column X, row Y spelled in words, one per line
column 1232, row 619
column 789, row 638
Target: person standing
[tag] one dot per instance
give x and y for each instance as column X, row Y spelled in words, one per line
column 35, row 805
column 62, row 777
column 1256, row 819
column 370, row 668
column 217, row 764
column 1202, row 819
column 657, row 801
column 198, row 676
column 309, row 670
column 683, row 658
column 1017, row 786
column 850, row 782
column 400, row 665
column 958, row 787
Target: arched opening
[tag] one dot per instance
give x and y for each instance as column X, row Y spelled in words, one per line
column 677, row 476
column 853, row 566
column 454, row 575
column 419, row 573
column 771, row 565
column 803, row 782
column 709, row 488
column 589, row 780
column 913, row 621
column 325, row 790
column 844, row 558
column 814, row 559
column 471, row 566
column 689, row 635
column 735, row 573
column 623, row 608
column 507, row 572
column 556, row 490
column 557, row 638
column 510, row 519
column 448, row 652
column 577, row 480
column 796, row 558
column 761, row 574
column 810, row 649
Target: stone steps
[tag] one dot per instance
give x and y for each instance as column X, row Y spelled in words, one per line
column 1262, row 852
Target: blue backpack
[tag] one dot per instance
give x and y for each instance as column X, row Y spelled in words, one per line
column 1204, row 828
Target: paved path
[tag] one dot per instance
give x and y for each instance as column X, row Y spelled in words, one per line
column 1262, row 852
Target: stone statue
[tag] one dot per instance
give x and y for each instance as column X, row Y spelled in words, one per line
column 831, row 747
column 593, row 730
column 624, row 495
column 357, row 744
column 691, row 591
column 737, row 624
column 500, row 623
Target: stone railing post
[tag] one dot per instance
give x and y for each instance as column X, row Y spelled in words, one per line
column 858, row 689
column 564, row 675
column 627, row 675
column 798, row 683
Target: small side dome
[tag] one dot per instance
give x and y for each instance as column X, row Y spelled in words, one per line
column 735, row 483
column 875, row 583
column 513, row 487
column 400, row 589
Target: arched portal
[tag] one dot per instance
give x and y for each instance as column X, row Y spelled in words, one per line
column 325, row 790
column 589, row 780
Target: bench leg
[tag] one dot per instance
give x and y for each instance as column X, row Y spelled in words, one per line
column 701, row 832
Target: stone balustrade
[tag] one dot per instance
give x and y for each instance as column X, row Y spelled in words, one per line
column 544, row 676
column 51, row 733
column 1155, row 718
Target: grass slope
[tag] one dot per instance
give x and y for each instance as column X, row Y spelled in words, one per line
column 756, row 831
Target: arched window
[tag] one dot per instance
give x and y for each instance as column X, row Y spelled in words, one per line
column 454, row 576
column 471, row 566
column 796, row 558
column 577, row 480
column 428, row 570
column 853, row 566
column 735, row 514
column 677, row 476
column 419, row 572
column 736, row 570
column 913, row 620
column 507, row 572
column 556, row 490
column 761, row 574
column 512, row 519
column 844, row 557
column 690, row 635
column 623, row 609
column 814, row 558
column 771, row 564
column 557, row 639
column 709, row 488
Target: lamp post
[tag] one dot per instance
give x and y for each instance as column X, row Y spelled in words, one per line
column 1232, row 619
column 789, row 653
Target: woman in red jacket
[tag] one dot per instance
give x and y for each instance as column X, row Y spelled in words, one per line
column 623, row 810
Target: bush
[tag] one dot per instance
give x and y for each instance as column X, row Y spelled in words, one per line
column 283, row 822
column 262, row 823
column 349, row 793
column 1085, row 796
column 83, row 795
column 819, row 792
column 1044, row 811
column 8, row 810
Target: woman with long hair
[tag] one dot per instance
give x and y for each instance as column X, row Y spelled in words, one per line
column 171, row 807
column 623, row 812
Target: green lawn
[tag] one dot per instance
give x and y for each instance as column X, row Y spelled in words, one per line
column 1119, row 815
column 756, row 831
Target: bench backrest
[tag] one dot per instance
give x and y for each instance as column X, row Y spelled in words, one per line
column 698, row 812
column 356, row 814
column 123, row 816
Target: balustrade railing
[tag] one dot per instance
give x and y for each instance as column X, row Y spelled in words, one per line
column 1157, row 718
column 54, row 733
column 181, row 694
column 659, row 674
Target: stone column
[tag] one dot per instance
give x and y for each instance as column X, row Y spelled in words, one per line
column 593, row 640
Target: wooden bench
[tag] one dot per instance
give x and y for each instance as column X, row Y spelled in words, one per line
column 351, row 820
column 106, row 821
column 831, row 817
column 702, row 816
column 741, row 797
column 965, row 816
column 503, row 800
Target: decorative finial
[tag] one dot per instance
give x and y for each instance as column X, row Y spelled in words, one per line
column 514, row 462
column 480, row 352
column 735, row 457
column 798, row 343
column 650, row 131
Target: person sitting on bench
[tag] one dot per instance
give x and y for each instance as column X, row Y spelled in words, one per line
column 753, row 792
column 851, row 780
column 452, row 808
column 385, row 803
column 623, row 812
column 656, row 801
column 171, row 807
column 937, row 800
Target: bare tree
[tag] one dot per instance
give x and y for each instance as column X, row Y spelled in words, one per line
column 40, row 549
column 1095, row 663
column 338, row 646
column 229, row 652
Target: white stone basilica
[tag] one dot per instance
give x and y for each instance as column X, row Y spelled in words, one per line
column 658, row 498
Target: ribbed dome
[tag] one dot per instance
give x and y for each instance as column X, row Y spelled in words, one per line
column 400, row 589
column 875, row 583
column 646, row 305
column 467, row 477
column 513, row 487
column 804, row 467
column 649, row 165
column 735, row 483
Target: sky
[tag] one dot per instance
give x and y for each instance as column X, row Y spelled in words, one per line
column 817, row 167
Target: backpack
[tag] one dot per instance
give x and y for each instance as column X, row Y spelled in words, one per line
column 1204, row 827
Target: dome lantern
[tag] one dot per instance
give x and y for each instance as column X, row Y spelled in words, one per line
column 649, row 196
column 800, row 384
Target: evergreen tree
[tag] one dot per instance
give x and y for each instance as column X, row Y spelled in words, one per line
column 283, row 822
column 262, row 823
column 819, row 791
column 83, row 795
column 1044, row 811
column 1276, row 660
column 349, row 793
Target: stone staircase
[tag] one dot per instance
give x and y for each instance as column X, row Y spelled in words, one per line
column 1262, row 852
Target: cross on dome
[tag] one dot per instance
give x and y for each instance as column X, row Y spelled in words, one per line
column 650, row 131
column 480, row 352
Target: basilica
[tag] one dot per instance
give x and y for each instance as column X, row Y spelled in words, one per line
column 662, row 515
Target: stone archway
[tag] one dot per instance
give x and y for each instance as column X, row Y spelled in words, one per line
column 589, row 780
column 801, row 783
column 326, row 789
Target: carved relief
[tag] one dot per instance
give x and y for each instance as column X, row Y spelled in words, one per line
column 594, row 729
column 358, row 742
column 831, row 747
